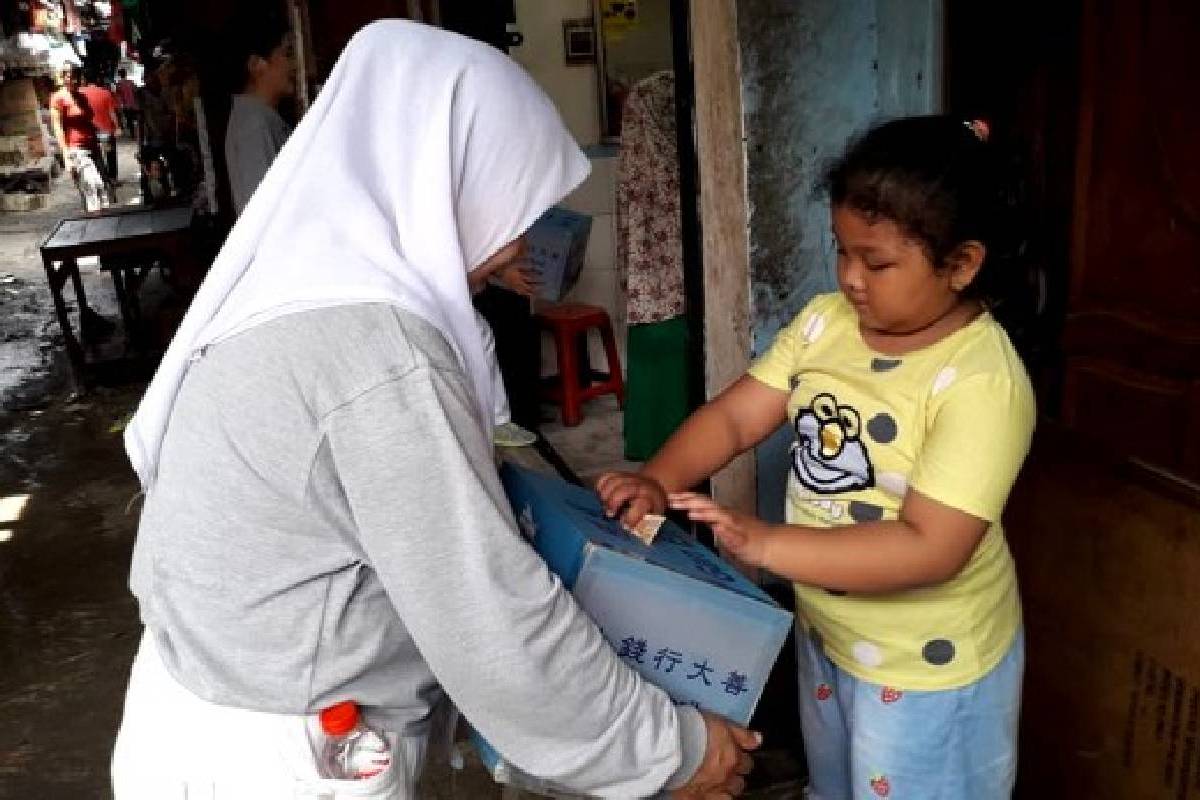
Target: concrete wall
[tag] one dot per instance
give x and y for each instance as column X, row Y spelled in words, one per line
column 909, row 38
column 814, row 73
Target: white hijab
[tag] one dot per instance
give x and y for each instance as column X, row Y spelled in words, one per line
column 423, row 155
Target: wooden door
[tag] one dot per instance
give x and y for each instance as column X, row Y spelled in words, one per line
column 1132, row 335
column 1105, row 523
column 1108, row 556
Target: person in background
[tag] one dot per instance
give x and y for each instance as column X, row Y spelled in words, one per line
column 650, row 262
column 71, row 121
column 157, row 130
column 155, row 141
column 518, row 278
column 104, row 117
column 913, row 413
column 323, row 520
column 127, row 104
column 75, row 131
column 264, row 75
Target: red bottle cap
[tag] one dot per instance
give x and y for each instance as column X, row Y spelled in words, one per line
column 340, row 719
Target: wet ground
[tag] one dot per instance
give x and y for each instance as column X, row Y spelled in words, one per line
column 32, row 361
column 69, row 626
column 68, row 514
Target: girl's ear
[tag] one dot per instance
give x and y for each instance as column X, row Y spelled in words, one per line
column 964, row 263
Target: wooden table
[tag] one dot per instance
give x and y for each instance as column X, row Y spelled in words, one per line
column 128, row 242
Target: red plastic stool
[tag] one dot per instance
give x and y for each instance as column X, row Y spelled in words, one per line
column 575, row 382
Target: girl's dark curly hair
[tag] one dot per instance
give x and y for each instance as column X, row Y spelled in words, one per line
column 945, row 182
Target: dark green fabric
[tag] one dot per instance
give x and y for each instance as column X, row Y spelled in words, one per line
column 656, row 385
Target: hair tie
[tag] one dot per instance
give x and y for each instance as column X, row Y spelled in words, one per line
column 980, row 128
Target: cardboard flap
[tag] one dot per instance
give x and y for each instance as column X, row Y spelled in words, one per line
column 535, row 495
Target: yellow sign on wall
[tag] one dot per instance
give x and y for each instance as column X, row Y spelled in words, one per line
column 618, row 17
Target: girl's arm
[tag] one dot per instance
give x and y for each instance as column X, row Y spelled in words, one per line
column 928, row 544
column 733, row 422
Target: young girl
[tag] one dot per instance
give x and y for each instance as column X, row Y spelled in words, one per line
column 912, row 414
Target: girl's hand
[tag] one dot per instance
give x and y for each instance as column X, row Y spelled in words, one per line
column 743, row 535
column 638, row 494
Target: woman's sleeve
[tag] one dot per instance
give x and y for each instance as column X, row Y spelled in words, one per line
column 508, row 643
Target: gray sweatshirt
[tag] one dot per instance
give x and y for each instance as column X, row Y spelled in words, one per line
column 327, row 524
column 255, row 135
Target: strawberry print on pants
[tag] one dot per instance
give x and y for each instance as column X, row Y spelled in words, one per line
column 865, row 741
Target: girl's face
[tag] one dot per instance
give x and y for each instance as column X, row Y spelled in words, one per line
column 888, row 277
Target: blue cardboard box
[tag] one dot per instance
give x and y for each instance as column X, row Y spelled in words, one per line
column 556, row 244
column 685, row 619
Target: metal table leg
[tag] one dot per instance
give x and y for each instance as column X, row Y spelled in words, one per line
column 57, row 277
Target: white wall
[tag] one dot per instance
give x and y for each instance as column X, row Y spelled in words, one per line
column 573, row 88
column 599, row 284
column 575, row 92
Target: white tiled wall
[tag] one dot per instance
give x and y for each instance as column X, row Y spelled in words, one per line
column 598, row 281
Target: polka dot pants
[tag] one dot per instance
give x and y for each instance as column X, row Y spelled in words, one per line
column 867, row 742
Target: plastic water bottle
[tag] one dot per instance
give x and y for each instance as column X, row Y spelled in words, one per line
column 351, row 751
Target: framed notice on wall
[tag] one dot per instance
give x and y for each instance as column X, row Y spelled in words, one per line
column 579, row 41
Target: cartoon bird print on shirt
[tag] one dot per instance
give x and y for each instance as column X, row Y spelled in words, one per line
column 828, row 456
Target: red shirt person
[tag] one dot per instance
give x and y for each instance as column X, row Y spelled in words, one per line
column 71, row 114
column 74, row 126
column 104, row 117
column 104, row 107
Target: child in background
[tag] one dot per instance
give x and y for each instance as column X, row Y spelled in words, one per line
column 913, row 414
column 516, row 278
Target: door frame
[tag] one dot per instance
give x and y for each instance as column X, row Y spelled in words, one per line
column 724, row 259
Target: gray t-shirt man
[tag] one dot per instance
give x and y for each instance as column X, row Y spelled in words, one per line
column 255, row 135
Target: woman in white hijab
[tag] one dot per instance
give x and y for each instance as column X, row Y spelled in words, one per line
column 323, row 520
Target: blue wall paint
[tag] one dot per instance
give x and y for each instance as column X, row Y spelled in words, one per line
column 910, row 55
column 814, row 73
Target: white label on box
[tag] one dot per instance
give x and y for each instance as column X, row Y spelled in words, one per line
column 698, row 646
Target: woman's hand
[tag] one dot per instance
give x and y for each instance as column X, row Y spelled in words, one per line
column 520, row 278
column 638, row 494
column 742, row 535
column 726, row 762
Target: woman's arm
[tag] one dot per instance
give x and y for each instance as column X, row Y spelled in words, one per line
column 928, row 544
column 499, row 632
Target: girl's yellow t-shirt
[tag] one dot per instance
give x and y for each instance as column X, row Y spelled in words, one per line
column 953, row 421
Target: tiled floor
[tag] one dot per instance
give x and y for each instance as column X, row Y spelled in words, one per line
column 595, row 445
